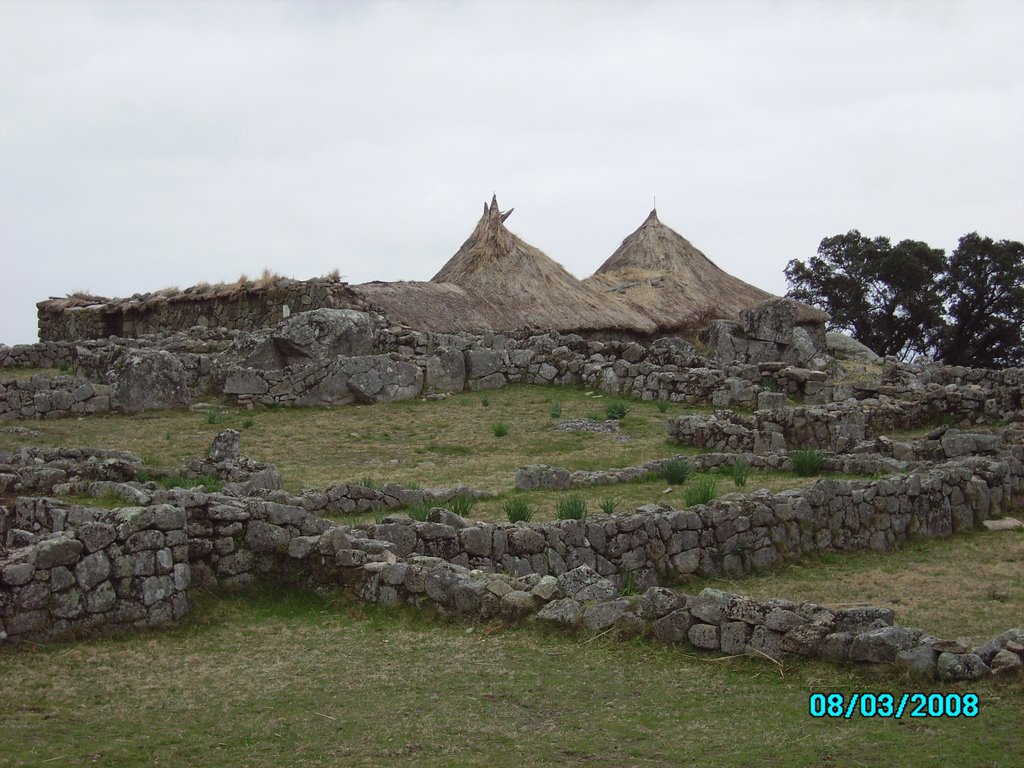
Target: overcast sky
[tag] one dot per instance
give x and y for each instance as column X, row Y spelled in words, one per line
column 147, row 144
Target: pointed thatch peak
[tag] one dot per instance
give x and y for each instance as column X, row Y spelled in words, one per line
column 518, row 285
column 658, row 272
column 656, row 247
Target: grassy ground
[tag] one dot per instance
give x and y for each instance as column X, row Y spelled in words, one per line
column 970, row 585
column 297, row 680
column 430, row 443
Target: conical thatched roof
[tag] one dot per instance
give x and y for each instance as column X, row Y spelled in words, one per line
column 516, row 285
column 658, row 272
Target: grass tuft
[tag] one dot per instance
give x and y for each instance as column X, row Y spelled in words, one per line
column 608, row 505
column 462, row 504
column 517, row 510
column 500, row 429
column 740, row 471
column 556, row 411
column 616, row 410
column 703, row 490
column 662, row 406
column 807, row 462
column 676, row 471
column 419, row 511
column 572, row 508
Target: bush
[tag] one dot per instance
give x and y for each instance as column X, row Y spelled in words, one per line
column 662, row 406
column 616, row 410
column 420, row 511
column 702, row 491
column 517, row 510
column 462, row 504
column 807, row 462
column 214, row 417
column 676, row 471
column 608, row 505
column 740, row 471
column 485, row 401
column 500, row 429
column 556, row 411
column 248, row 423
column 572, row 508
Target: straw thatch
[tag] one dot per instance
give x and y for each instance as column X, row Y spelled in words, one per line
column 658, row 272
column 514, row 285
column 438, row 307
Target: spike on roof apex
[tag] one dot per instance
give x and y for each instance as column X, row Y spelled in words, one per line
column 652, row 217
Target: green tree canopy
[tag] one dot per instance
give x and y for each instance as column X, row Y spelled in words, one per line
column 983, row 286
column 885, row 296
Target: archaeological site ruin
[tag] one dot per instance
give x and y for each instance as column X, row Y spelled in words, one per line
column 755, row 382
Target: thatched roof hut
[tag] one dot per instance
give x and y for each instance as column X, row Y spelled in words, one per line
column 658, row 272
column 499, row 278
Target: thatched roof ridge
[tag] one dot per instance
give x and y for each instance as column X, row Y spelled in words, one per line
column 660, row 273
column 516, row 285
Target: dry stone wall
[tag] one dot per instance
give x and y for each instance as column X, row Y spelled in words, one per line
column 103, row 569
column 246, row 308
column 43, row 397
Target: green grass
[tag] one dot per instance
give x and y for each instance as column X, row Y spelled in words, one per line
column 701, row 491
column 807, row 462
column 740, row 472
column 572, row 507
column 273, row 678
column 608, row 505
column 419, row 511
column 517, row 509
column 434, row 443
column 462, row 504
column 676, row 471
column 500, row 429
column 616, row 410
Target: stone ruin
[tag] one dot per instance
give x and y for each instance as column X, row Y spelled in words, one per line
column 67, row 568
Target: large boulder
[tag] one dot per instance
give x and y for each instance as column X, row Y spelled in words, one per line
column 144, row 379
column 314, row 336
column 848, row 348
column 446, row 371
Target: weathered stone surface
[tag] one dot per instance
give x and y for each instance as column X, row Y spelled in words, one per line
column 881, row 645
column 17, row 574
column 919, row 661
column 143, row 379
column 704, row 636
column 226, row 446
column 96, row 536
column 1006, row 663
column 604, row 615
column 92, row 569
column 584, row 584
column 265, row 537
column 988, row 650
column 711, row 605
column 848, row 348
column 659, row 601
column 566, row 612
column 672, row 628
column 961, row 666
column 315, row 336
column 57, row 551
column 445, row 371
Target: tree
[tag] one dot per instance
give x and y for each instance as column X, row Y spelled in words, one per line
column 885, row 296
column 983, row 287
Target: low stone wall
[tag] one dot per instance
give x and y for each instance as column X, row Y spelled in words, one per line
column 836, row 427
column 711, row 621
column 104, row 569
column 246, row 307
column 42, row 397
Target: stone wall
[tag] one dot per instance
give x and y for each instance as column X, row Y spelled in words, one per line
column 836, row 427
column 104, row 569
column 246, row 308
column 43, row 397
column 734, row 534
